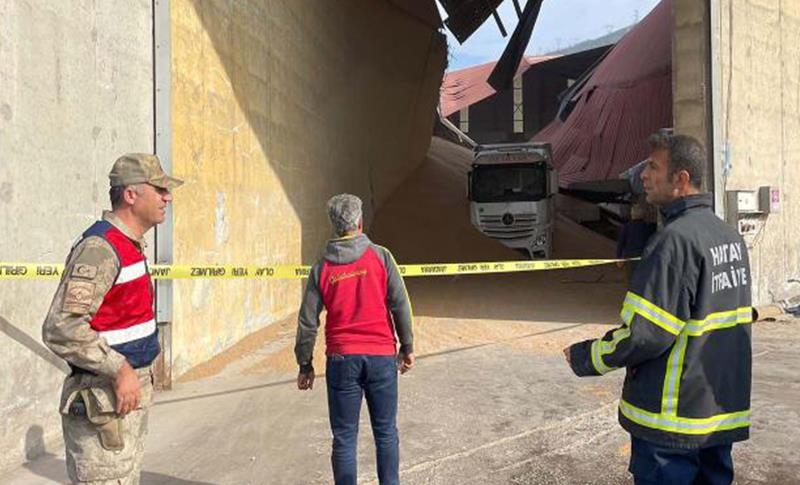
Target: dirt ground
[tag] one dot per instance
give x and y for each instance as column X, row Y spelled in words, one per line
column 491, row 400
column 501, row 412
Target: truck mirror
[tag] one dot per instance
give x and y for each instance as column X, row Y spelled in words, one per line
column 469, row 185
column 553, row 183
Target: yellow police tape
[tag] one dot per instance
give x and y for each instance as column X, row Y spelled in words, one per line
column 26, row 271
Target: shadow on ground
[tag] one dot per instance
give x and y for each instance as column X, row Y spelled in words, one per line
column 50, row 467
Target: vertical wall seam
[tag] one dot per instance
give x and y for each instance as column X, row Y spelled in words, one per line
column 162, row 147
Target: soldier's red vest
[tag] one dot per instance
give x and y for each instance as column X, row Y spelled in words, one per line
column 354, row 294
column 125, row 319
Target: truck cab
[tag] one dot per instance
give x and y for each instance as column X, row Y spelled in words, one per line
column 511, row 190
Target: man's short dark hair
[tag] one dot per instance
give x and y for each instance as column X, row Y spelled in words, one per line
column 683, row 152
column 115, row 194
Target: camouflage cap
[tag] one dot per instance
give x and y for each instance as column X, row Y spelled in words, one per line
column 141, row 168
column 344, row 211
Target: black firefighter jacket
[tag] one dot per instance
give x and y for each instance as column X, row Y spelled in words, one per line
column 685, row 338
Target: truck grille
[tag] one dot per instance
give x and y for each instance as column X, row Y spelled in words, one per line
column 522, row 227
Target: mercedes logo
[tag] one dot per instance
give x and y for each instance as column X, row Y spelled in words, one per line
column 508, row 219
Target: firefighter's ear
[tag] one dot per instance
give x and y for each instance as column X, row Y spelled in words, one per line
column 681, row 179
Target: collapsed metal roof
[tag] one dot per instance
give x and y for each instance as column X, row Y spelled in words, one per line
column 465, row 16
column 603, row 125
column 470, row 85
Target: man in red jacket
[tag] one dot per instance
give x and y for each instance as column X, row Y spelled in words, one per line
column 360, row 286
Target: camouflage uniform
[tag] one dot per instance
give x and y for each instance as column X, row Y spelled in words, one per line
column 101, row 447
column 89, row 273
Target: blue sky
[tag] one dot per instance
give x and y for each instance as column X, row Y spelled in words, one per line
column 561, row 23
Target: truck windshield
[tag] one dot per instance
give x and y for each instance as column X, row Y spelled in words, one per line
column 509, row 183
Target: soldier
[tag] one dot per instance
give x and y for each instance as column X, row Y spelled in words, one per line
column 101, row 322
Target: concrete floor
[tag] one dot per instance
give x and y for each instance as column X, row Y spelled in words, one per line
column 504, row 412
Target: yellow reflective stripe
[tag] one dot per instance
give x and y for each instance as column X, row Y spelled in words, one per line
column 653, row 313
column 597, row 359
column 694, row 328
column 627, row 314
column 672, row 379
column 719, row 320
column 619, row 335
column 601, row 348
column 692, row 426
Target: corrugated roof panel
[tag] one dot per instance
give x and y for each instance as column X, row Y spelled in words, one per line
column 466, row 87
column 628, row 97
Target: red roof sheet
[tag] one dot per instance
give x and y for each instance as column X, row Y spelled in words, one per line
column 467, row 86
column 628, row 97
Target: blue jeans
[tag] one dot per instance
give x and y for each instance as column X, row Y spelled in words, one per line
column 349, row 378
column 652, row 464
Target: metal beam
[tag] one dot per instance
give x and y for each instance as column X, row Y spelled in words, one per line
column 453, row 128
column 162, row 81
column 503, row 73
column 499, row 22
column 517, row 8
column 465, row 16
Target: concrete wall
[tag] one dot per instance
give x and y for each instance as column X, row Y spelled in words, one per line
column 760, row 74
column 276, row 106
column 759, row 118
column 690, row 70
column 75, row 92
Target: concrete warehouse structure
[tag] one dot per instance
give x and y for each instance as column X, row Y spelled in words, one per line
column 266, row 108
column 745, row 103
column 266, row 99
column 490, row 400
column 260, row 118
column 75, row 92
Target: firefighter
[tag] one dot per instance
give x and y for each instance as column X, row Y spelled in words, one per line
column 685, row 337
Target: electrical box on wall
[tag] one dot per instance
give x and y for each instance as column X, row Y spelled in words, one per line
column 743, row 210
column 742, row 202
column 769, row 199
column 747, row 210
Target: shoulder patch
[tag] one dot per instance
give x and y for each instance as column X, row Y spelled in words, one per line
column 84, row 271
column 78, row 296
